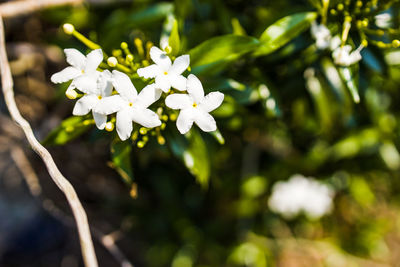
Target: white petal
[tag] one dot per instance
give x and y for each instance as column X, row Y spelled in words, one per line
column 205, row 121
column 84, row 105
column 185, row 120
column 160, row 58
column 75, row 58
column 163, row 83
column 93, row 60
column 100, row 120
column 105, row 84
column 148, row 95
column 87, row 83
column 65, row 75
column 124, row 123
column 211, row 101
column 124, row 86
column 194, row 88
column 179, row 101
column 110, row 104
column 178, row 82
column 145, row 117
column 149, row 72
column 180, row 65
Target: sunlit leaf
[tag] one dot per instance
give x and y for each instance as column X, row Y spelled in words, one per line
column 68, row 130
column 283, row 31
column 216, row 52
column 121, row 159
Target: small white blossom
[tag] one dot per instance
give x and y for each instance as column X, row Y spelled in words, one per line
column 82, row 71
column 167, row 75
column 321, row 34
column 129, row 105
column 195, row 107
column 343, row 56
column 301, row 194
column 383, row 20
column 90, row 100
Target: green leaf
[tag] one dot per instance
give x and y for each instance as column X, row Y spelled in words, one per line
column 127, row 18
column 121, row 159
column 192, row 150
column 218, row 136
column 237, row 28
column 68, row 130
column 174, row 41
column 215, row 53
column 283, row 31
column 196, row 158
column 348, row 78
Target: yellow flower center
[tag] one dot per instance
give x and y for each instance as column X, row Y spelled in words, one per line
column 165, row 73
column 194, row 105
column 83, row 71
column 99, row 97
column 130, row 104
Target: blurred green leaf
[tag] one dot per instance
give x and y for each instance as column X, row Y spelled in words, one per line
column 68, row 130
column 216, row 52
column 218, row 136
column 192, row 150
column 121, row 152
column 348, row 78
column 174, row 41
column 364, row 141
column 283, row 31
column 237, row 28
column 127, row 18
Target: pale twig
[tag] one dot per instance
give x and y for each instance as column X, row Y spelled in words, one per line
column 88, row 252
column 24, row 7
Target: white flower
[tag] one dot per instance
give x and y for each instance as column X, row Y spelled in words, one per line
column 383, row 20
column 90, row 100
column 301, row 194
column 129, row 105
column 167, row 74
column 82, row 71
column 195, row 106
column 343, row 56
column 321, row 34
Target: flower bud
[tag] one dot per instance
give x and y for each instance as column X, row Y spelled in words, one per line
column 396, row 43
column 109, row 126
column 161, row 140
column 142, row 131
column 71, row 94
column 129, row 58
column 140, row 144
column 168, row 49
column 124, row 45
column 68, row 28
column 112, row 61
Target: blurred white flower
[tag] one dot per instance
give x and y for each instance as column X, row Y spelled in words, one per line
column 195, row 107
column 343, row 56
column 321, row 34
column 89, row 101
column 301, row 194
column 383, row 20
column 129, row 105
column 167, row 75
column 82, row 71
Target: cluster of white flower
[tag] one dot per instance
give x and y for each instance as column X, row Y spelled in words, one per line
column 131, row 106
column 301, row 194
column 342, row 55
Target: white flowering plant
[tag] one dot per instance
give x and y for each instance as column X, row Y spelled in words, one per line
column 253, row 98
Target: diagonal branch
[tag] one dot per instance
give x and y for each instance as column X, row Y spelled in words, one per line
column 65, row 186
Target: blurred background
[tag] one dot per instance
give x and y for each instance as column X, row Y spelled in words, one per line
column 277, row 125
